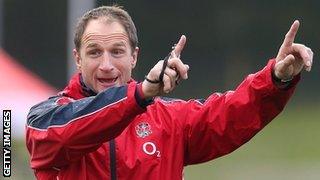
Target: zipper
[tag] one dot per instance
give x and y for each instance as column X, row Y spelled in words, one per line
column 113, row 168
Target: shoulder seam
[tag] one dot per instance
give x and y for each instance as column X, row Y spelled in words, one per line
column 77, row 118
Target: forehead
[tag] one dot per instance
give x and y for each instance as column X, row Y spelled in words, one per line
column 101, row 29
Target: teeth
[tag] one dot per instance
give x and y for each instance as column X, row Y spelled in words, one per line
column 108, row 80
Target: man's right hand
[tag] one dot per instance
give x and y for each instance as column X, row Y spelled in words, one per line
column 175, row 70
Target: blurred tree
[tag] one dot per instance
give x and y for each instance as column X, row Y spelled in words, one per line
column 226, row 39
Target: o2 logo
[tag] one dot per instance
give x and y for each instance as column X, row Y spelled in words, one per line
column 151, row 149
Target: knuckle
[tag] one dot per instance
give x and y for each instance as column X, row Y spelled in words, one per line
column 287, row 35
column 174, row 61
column 153, row 70
column 297, row 45
column 174, row 73
column 183, row 71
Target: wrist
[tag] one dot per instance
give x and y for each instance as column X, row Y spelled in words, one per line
column 146, row 93
column 281, row 79
column 142, row 100
column 281, row 82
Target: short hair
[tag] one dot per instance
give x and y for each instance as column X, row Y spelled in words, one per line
column 112, row 13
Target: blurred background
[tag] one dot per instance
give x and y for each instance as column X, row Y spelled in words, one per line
column 227, row 40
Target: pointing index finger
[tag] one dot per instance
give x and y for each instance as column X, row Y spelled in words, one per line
column 290, row 36
column 179, row 46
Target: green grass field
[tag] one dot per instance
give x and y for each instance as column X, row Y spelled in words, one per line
column 287, row 149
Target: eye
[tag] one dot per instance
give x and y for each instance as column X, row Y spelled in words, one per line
column 118, row 52
column 94, row 53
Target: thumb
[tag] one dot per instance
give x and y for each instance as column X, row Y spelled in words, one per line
column 180, row 45
column 287, row 61
column 283, row 69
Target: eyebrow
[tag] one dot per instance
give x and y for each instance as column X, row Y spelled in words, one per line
column 92, row 45
column 116, row 44
column 119, row 44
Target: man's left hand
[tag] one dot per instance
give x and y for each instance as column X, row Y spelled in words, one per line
column 292, row 58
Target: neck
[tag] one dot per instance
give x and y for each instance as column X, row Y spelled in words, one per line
column 87, row 91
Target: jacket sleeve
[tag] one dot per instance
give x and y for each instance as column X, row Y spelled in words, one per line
column 224, row 122
column 58, row 133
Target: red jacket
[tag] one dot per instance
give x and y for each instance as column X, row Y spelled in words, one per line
column 117, row 135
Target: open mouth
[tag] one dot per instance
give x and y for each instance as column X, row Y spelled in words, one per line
column 107, row 81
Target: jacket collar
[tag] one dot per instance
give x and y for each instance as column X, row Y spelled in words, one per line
column 76, row 88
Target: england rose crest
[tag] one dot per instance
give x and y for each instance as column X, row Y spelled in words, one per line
column 143, row 129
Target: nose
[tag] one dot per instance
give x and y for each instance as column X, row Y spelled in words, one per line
column 106, row 63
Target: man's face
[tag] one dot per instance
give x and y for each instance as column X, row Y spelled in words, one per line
column 105, row 58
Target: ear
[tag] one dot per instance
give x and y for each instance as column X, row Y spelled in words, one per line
column 134, row 57
column 77, row 58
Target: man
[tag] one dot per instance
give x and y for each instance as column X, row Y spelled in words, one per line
column 105, row 125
